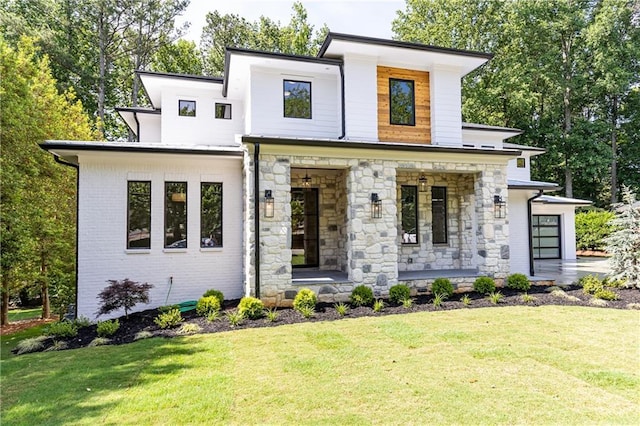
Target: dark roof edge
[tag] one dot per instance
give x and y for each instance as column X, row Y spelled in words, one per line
column 401, row 44
column 487, row 128
column 536, row 187
column 55, row 145
column 181, row 76
column 139, row 110
column 375, row 145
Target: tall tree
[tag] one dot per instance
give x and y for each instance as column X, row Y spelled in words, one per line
column 181, row 56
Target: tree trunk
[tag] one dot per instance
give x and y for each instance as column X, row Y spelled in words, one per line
column 5, row 301
column 44, row 288
column 102, row 49
column 614, row 151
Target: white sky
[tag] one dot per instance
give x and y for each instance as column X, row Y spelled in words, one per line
column 370, row 18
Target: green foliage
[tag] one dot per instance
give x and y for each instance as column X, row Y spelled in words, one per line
column 590, row 284
column 437, row 300
column 167, row 308
column 518, row 282
column 216, row 293
column 378, row 305
column 443, row 287
column 592, row 227
column 251, row 308
column 306, row 311
column 189, row 328
column 495, row 297
column 62, row 329
column 305, row 299
column 33, row 344
column 214, row 316
column 407, row 303
column 82, row 321
column 99, row 341
column 108, row 328
column 398, row 293
column 466, row 300
column 234, row 317
column 605, row 294
column 361, row 296
column 527, row 298
column 341, row 309
column 58, row 345
column 207, row 305
column 141, row 335
column 169, row 319
column 624, row 243
column 272, row 314
column 484, row 285
column 122, row 294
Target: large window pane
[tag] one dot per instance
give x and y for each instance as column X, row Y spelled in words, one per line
column 138, row 214
column 175, row 214
column 439, row 214
column 409, row 200
column 210, row 214
column 402, row 102
column 297, row 99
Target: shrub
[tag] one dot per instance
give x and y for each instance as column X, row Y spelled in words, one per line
column 213, row 316
column 108, row 328
column 235, row 317
column 398, row 293
column 361, row 296
column 169, row 319
column 378, row 305
column 527, row 298
column 605, row 294
column 624, row 242
column 189, row 329
column 407, row 303
column 99, row 341
column 466, row 300
column 144, row 334
column 251, row 308
column 167, row 308
column 437, row 300
column 306, row 311
column 82, row 321
column 443, row 287
column 122, row 294
column 58, row 345
column 272, row 314
column 62, row 329
column 590, row 284
column 495, row 297
column 206, row 305
column 217, row 294
column 341, row 309
column 33, row 344
column 484, row 285
column 518, row 282
column 305, row 298
column 592, row 227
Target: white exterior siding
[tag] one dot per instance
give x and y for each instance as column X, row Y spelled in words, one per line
column 518, row 231
column 267, row 106
column 361, row 98
column 446, row 107
column 102, row 226
column 567, row 226
column 150, row 128
column 520, row 173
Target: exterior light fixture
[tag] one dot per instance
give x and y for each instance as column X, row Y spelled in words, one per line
column 376, row 206
column 179, row 197
column 268, row 203
column 422, row 183
column 306, row 181
column 499, row 207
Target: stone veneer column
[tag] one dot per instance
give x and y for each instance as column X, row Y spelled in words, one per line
column 372, row 250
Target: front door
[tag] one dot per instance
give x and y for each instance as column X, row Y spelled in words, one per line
column 304, row 227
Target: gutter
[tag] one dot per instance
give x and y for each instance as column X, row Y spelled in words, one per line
column 256, row 214
column 532, row 271
column 341, row 68
column 75, row 166
column 135, row 117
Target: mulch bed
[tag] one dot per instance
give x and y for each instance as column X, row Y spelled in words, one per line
column 16, row 326
column 143, row 321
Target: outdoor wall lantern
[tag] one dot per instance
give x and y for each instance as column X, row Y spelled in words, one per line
column 268, row 203
column 306, row 181
column 499, row 207
column 422, row 183
column 376, row 206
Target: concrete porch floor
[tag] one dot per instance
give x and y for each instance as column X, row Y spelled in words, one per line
column 568, row 271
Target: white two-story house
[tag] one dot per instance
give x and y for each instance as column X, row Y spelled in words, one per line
column 352, row 167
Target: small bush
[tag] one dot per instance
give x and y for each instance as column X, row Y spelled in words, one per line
column 99, row 341
column 598, row 302
column 443, row 287
column 251, row 308
column 62, row 329
column 378, row 305
column 305, row 299
column 590, row 284
column 189, row 329
column 407, row 303
column 272, row 314
column 213, row 316
column 608, row 282
column 341, row 309
column 484, row 285
column 466, row 300
column 361, row 296
column 82, row 321
column 605, row 294
column 108, row 328
column 33, row 344
column 437, row 300
column 206, row 305
column 527, row 298
column 234, row 317
column 144, row 334
column 58, row 345
column 169, row 319
column 306, row 311
column 518, row 282
column 167, row 308
column 122, row 294
column 495, row 297
column 215, row 293
column 398, row 293
column 592, row 227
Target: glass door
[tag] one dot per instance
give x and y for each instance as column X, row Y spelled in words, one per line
column 304, row 227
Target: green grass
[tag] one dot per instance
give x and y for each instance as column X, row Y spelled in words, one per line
column 23, row 314
column 10, row 341
column 513, row 365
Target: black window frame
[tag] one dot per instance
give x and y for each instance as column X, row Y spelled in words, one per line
column 521, row 163
column 217, row 241
column 538, row 238
column 180, row 114
column 414, row 201
column 173, row 245
column 129, row 194
column 224, row 105
column 413, row 102
column 284, row 99
column 438, row 205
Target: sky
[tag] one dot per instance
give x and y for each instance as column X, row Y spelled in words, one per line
column 370, row 18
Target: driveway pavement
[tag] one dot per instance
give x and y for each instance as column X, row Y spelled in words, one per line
column 568, row 271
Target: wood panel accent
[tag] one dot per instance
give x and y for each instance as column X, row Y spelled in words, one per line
column 421, row 132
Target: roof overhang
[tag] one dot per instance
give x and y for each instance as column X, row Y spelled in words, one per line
column 154, row 82
column 532, row 185
column 553, row 199
column 131, row 116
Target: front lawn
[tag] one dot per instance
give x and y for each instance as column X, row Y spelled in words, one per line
column 550, row 364
column 24, row 314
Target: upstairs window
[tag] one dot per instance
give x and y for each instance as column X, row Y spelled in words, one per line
column 210, row 214
column 521, row 163
column 138, row 215
column 297, row 99
column 186, row 108
column 175, row 214
column 409, row 199
column 439, row 214
column 223, row 111
column 402, row 102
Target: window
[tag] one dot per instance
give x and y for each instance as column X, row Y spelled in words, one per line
column 402, row 103
column 138, row 215
column 223, row 111
column 297, row 99
column 409, row 200
column 210, row 214
column 521, row 163
column 175, row 214
column 439, row 214
column 546, row 236
column 187, row 108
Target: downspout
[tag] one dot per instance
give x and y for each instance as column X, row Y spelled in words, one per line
column 256, row 213
column 341, row 67
column 532, row 271
column 75, row 166
column 135, row 117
